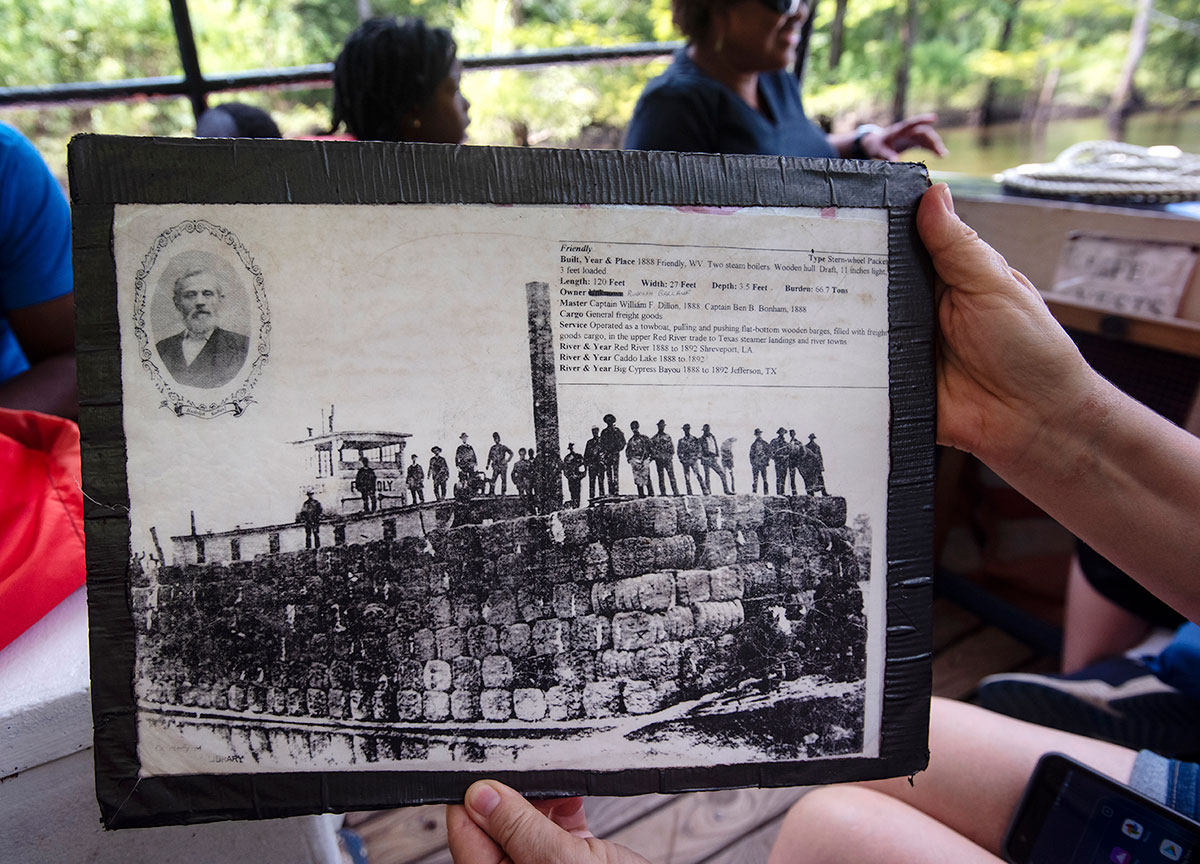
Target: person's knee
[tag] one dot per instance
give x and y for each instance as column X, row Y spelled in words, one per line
column 816, row 826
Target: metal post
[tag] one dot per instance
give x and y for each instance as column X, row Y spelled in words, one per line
column 805, row 33
column 192, row 77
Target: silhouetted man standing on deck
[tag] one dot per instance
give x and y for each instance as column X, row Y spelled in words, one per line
column 593, row 459
column 574, row 470
column 310, row 515
column 464, row 457
column 662, row 450
column 415, row 480
column 637, row 451
column 498, row 458
column 364, row 481
column 816, row 467
column 781, row 452
column 760, row 457
column 439, row 473
column 710, row 454
column 688, row 450
column 612, row 444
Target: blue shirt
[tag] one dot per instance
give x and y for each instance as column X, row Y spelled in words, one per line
column 35, row 240
column 685, row 109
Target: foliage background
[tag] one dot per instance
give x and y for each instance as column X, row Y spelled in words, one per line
column 958, row 48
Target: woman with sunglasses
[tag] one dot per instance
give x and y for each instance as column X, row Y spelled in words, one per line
column 730, row 90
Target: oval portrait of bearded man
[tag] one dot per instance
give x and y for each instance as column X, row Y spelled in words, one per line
column 209, row 348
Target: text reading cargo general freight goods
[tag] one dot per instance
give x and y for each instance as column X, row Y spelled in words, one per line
column 717, row 316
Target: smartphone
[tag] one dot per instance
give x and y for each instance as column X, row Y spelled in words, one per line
column 1072, row 814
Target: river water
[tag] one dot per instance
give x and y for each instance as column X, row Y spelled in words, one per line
column 1011, row 144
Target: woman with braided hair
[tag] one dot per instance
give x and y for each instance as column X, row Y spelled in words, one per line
column 399, row 81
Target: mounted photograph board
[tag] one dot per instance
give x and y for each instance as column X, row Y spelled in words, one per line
column 598, row 473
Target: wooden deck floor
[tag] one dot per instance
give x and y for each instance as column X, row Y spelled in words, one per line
column 725, row 827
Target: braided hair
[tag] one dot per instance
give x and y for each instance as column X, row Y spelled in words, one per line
column 387, row 69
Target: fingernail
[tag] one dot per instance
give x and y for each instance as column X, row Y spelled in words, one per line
column 947, row 198
column 483, row 799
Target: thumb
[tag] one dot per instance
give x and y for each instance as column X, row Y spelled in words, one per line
column 525, row 834
column 960, row 257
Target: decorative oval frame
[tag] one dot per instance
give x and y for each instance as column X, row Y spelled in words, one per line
column 237, row 395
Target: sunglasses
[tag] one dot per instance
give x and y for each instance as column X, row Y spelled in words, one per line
column 784, row 7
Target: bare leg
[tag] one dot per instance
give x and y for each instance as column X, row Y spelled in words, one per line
column 842, row 824
column 1095, row 627
column 980, row 763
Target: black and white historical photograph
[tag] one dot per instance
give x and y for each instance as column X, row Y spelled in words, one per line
column 204, row 289
column 201, row 318
column 530, row 487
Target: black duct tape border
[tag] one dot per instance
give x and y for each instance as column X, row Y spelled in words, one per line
column 106, row 171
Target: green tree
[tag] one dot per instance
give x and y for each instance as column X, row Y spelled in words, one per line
column 986, row 59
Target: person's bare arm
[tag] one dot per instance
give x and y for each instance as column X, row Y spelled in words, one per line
column 46, row 333
column 889, row 142
column 1013, row 390
column 1127, row 482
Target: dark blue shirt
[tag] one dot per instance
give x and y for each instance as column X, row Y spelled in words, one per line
column 685, row 109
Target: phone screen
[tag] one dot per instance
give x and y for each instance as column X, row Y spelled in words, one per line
column 1088, row 819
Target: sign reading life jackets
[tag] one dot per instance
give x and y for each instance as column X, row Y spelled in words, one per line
column 408, row 465
column 1123, row 275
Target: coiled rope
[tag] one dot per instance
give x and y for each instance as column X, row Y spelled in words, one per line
column 1113, row 172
